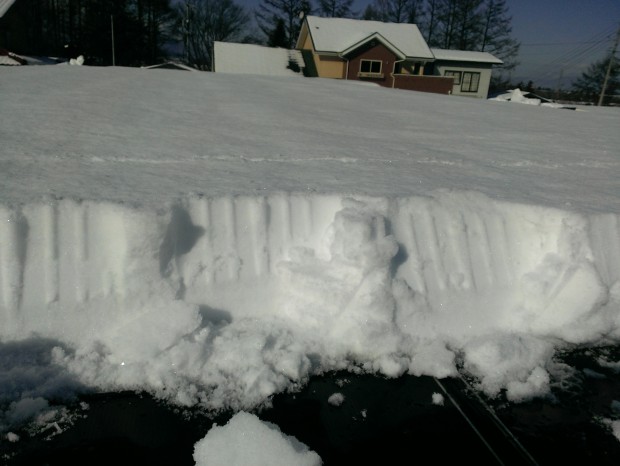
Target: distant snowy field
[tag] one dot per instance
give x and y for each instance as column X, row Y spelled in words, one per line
column 216, row 239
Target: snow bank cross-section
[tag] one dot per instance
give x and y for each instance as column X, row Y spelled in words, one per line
column 216, row 239
column 363, row 280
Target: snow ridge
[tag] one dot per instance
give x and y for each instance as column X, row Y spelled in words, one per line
column 67, row 253
column 377, row 281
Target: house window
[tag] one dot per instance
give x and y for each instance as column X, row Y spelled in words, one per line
column 454, row 74
column 405, row 67
column 370, row 66
column 470, row 82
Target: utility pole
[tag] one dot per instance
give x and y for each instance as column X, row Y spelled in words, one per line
column 609, row 66
column 112, row 26
column 187, row 31
column 558, row 89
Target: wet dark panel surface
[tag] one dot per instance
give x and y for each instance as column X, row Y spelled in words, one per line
column 119, row 428
column 569, row 426
column 380, row 421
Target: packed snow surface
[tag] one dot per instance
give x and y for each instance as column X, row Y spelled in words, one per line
column 216, row 239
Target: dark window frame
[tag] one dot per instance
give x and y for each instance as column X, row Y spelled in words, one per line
column 370, row 64
column 472, row 84
column 454, row 74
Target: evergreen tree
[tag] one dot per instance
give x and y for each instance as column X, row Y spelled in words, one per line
column 335, row 8
column 291, row 12
column 277, row 38
column 588, row 87
column 370, row 14
column 203, row 22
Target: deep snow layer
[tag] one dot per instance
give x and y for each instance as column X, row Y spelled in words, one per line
column 217, row 239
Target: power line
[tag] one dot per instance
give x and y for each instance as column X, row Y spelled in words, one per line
column 596, row 44
column 599, row 39
column 544, row 44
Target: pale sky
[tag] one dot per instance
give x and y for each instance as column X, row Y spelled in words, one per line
column 562, row 34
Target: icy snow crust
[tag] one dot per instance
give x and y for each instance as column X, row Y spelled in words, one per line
column 216, row 240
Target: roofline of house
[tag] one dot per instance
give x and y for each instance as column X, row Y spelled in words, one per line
column 5, row 6
column 374, row 36
column 298, row 42
column 13, row 56
column 492, row 58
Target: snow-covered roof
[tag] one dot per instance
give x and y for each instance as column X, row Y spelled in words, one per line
column 465, row 55
column 255, row 59
column 4, row 6
column 337, row 35
column 6, row 60
column 10, row 59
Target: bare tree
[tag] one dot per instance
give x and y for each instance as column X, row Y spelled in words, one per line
column 336, row 8
column 457, row 24
column 389, row 11
column 202, row 22
column 431, row 16
column 415, row 12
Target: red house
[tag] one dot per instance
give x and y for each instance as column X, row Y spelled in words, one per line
column 389, row 54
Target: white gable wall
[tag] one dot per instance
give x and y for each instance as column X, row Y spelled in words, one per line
column 254, row 59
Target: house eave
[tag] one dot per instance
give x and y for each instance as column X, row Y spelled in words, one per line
column 375, row 36
column 464, row 56
column 4, row 6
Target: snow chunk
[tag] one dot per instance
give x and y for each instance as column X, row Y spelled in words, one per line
column 79, row 61
column 438, row 399
column 25, row 409
column 615, row 428
column 513, row 362
column 246, row 440
column 336, row 399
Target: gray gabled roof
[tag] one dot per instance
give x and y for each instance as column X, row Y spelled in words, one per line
column 465, row 55
column 338, row 35
column 4, row 6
